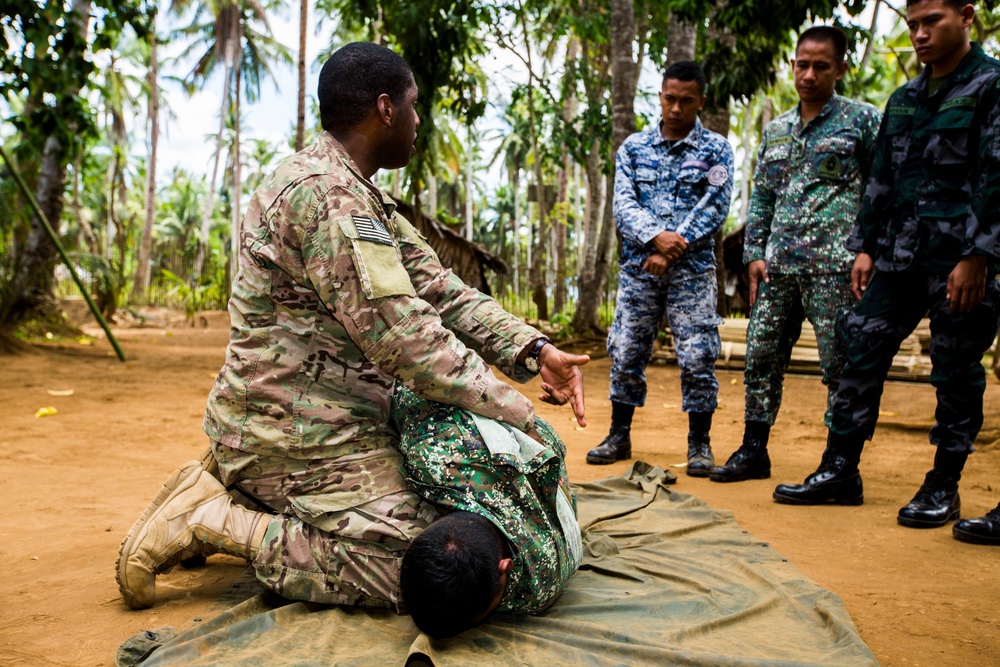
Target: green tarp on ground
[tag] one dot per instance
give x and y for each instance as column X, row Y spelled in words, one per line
column 665, row 580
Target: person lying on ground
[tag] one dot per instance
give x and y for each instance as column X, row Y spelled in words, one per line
column 509, row 538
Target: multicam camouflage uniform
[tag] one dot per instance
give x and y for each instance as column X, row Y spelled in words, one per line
column 932, row 199
column 465, row 462
column 337, row 300
column 807, row 187
column 683, row 187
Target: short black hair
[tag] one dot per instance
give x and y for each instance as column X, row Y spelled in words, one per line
column 451, row 573
column 686, row 70
column 954, row 4
column 352, row 80
column 825, row 33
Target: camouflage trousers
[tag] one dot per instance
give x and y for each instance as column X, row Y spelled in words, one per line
column 690, row 306
column 891, row 308
column 325, row 543
column 775, row 325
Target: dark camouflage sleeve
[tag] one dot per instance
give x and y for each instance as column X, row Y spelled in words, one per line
column 478, row 320
column 982, row 234
column 760, row 210
column 864, row 233
column 371, row 291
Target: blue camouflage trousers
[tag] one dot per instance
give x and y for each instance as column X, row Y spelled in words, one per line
column 775, row 325
column 891, row 308
column 689, row 302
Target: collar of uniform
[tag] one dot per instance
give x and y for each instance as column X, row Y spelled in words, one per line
column 334, row 147
column 693, row 138
column 962, row 72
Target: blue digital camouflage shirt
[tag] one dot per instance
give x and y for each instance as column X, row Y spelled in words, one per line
column 934, row 192
column 807, row 188
column 683, row 186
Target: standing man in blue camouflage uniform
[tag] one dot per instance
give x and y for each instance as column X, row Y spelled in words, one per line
column 336, row 302
column 812, row 168
column 927, row 238
column 673, row 184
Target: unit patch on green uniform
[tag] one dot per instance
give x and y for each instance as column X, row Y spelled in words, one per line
column 830, row 167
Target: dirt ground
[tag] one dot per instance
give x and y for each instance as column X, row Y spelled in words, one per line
column 75, row 481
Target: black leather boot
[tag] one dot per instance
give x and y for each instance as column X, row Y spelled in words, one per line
column 935, row 504
column 700, row 459
column 751, row 460
column 836, row 481
column 617, row 446
column 984, row 530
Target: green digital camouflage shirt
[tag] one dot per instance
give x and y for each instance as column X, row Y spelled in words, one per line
column 807, row 187
column 934, row 192
column 463, row 461
column 337, row 299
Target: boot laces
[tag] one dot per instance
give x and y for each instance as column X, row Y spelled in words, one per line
column 936, row 482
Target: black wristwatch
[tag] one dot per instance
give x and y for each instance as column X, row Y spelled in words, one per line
column 531, row 359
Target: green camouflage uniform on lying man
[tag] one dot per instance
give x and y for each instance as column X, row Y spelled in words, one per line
column 510, row 539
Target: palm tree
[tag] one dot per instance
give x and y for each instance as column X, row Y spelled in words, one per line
column 234, row 34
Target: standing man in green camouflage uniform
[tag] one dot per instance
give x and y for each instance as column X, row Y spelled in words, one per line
column 527, row 538
column 812, row 167
column 336, row 301
column 927, row 238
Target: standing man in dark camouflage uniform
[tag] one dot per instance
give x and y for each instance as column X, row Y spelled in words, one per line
column 812, row 167
column 927, row 238
column 337, row 300
column 673, row 184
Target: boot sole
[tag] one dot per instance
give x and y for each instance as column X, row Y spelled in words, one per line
column 715, row 477
column 973, row 538
column 173, row 484
column 698, row 472
column 924, row 523
column 790, row 500
column 597, row 461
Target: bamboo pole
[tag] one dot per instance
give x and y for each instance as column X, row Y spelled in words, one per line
column 62, row 252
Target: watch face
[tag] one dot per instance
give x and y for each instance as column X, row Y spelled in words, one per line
column 531, row 363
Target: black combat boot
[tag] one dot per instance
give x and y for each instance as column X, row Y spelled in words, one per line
column 935, row 504
column 618, row 444
column 984, row 530
column 836, row 481
column 750, row 461
column 937, row 501
column 700, row 460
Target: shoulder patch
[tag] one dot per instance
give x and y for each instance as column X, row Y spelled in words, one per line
column 718, row 175
column 370, row 229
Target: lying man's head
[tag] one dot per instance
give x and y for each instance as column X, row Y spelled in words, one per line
column 454, row 574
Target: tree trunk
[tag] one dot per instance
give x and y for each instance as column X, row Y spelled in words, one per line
column 31, row 286
column 622, row 72
column 469, row 156
column 515, row 224
column 681, row 38
column 536, row 276
column 234, row 241
column 90, row 240
column 300, row 123
column 141, row 284
column 206, row 219
column 591, row 281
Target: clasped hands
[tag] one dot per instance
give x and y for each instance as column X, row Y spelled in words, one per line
column 669, row 248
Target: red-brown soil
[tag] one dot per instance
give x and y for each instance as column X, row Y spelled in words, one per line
column 74, row 482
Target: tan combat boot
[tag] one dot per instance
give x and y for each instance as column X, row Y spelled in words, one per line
column 192, row 509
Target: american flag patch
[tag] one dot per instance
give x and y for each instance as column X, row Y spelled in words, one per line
column 370, row 229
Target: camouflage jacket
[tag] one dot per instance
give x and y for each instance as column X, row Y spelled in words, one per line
column 807, row 187
column 465, row 462
column 934, row 192
column 685, row 188
column 337, row 299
